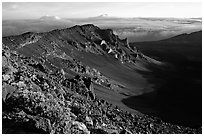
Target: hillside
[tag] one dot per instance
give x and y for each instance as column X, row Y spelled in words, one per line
column 73, row 80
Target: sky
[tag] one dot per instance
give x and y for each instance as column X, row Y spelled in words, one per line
column 35, row 10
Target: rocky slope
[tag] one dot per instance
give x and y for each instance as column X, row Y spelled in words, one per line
column 86, row 38
column 48, row 88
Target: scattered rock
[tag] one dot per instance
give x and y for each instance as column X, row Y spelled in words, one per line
column 125, row 131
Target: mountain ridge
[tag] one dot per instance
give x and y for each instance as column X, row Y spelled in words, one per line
column 84, row 33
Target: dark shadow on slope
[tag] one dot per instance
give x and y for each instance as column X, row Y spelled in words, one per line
column 177, row 96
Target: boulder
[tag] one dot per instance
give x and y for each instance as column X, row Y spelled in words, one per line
column 7, row 91
column 81, row 126
column 103, row 42
column 89, row 121
column 111, row 131
column 6, row 77
column 21, row 84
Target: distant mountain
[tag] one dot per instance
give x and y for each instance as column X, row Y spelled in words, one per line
column 190, row 37
column 47, row 17
column 182, row 47
column 103, row 15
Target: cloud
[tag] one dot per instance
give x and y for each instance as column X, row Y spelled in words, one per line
column 9, row 6
column 31, row 10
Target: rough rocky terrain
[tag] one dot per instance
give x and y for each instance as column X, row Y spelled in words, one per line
column 53, row 92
